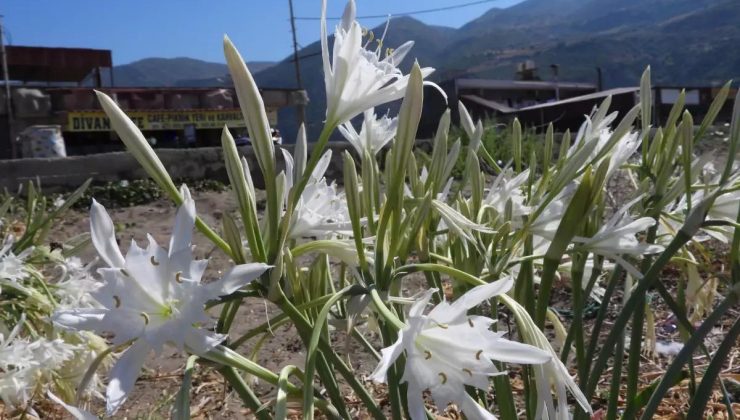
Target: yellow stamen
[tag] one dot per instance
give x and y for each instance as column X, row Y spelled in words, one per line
column 427, row 354
column 444, row 377
column 468, row 371
column 117, row 301
column 477, row 355
column 125, row 273
column 146, row 318
column 153, row 261
column 177, row 277
column 470, row 322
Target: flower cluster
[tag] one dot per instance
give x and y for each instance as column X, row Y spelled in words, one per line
column 493, row 245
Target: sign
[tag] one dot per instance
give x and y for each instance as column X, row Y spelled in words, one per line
column 151, row 120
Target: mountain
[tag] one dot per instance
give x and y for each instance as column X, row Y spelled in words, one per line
column 181, row 72
column 687, row 42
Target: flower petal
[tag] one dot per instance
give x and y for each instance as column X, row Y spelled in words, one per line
column 201, row 342
column 124, row 375
column 237, row 277
column 182, row 233
column 417, row 409
column 449, row 313
column 77, row 413
column 389, row 355
column 79, row 319
column 103, row 236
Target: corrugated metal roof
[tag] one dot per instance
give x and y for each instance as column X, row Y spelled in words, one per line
column 519, row 84
column 497, row 106
column 42, row 64
column 590, row 96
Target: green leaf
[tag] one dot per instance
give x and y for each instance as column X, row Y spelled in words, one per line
column 181, row 408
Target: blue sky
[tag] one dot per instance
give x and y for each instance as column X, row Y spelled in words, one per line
column 136, row 29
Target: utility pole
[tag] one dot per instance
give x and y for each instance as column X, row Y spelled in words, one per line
column 8, row 100
column 301, row 107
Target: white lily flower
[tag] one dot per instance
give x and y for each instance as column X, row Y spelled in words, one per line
column 75, row 286
column 374, row 133
column 357, row 79
column 552, row 375
column 617, row 237
column 504, row 189
column 25, row 365
column 12, row 266
column 151, row 297
column 725, row 207
column 625, row 148
column 447, row 349
column 321, row 210
column 546, row 224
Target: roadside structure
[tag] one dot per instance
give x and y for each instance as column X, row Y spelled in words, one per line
column 54, row 87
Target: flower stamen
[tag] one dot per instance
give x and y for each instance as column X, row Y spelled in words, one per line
column 117, row 301
column 427, row 354
column 153, row 261
column 470, row 322
column 443, row 376
column 177, row 277
column 468, row 371
column 477, row 355
column 146, row 318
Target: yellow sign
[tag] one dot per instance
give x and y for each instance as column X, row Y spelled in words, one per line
column 162, row 119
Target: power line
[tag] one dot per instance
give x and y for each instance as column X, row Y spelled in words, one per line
column 415, row 12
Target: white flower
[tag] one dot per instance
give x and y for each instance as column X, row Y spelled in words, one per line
column 617, row 237
column 25, row 365
column 446, row 350
column 550, row 375
column 623, row 150
column 76, row 285
column 504, row 189
column 374, row 133
column 357, row 79
column 11, row 265
column 321, row 210
column 59, row 202
column 151, row 297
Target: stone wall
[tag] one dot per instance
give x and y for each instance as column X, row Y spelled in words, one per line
column 200, row 163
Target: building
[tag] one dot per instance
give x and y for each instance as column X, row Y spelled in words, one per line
column 534, row 103
column 54, row 86
column 496, row 99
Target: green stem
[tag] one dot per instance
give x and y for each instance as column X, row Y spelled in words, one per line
column 245, row 393
column 385, row 312
column 549, row 269
column 303, row 326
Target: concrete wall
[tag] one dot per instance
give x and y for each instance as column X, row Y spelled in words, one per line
column 200, row 163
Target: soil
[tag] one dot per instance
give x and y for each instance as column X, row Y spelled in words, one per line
column 212, row 398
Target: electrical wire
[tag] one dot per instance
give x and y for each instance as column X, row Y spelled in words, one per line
column 415, row 12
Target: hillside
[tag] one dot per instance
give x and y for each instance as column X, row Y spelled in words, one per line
column 687, row 42
column 181, row 71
